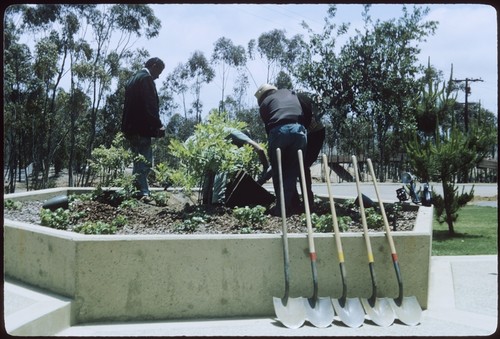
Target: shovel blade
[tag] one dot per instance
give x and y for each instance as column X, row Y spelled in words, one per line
column 322, row 314
column 293, row 315
column 409, row 312
column 352, row 314
column 381, row 313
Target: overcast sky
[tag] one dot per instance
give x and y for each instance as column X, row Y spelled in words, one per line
column 466, row 37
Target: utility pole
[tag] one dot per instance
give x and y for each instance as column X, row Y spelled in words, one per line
column 467, row 92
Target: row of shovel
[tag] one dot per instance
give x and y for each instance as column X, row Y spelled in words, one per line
column 320, row 311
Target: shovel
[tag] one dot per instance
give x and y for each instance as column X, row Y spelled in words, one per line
column 289, row 311
column 407, row 309
column 349, row 310
column 378, row 309
column 319, row 311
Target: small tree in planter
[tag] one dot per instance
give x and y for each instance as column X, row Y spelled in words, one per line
column 208, row 151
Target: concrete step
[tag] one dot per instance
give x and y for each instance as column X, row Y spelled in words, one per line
column 33, row 312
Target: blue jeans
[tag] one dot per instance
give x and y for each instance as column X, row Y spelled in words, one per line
column 289, row 138
column 142, row 146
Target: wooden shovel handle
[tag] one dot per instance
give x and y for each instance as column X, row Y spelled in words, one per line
column 340, row 252
column 382, row 209
column 362, row 211
column 312, row 250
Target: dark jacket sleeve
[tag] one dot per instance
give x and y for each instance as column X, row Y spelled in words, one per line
column 151, row 103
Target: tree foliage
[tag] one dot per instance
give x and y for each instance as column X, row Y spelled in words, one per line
column 442, row 154
column 209, row 151
column 64, row 86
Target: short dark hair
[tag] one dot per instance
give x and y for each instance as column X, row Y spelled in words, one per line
column 154, row 61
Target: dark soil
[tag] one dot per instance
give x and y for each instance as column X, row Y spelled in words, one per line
column 183, row 215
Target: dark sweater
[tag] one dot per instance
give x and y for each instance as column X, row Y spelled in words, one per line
column 282, row 107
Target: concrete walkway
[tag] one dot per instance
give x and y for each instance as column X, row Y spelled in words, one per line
column 463, row 301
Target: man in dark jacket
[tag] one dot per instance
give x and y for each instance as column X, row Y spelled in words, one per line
column 285, row 124
column 141, row 119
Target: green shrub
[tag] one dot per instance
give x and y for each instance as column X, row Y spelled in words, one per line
column 190, row 225
column 321, row 223
column 119, row 221
column 374, row 220
column 160, row 198
column 58, row 219
column 344, row 222
column 95, row 227
column 12, row 204
column 128, row 204
column 110, row 163
column 209, row 151
column 250, row 216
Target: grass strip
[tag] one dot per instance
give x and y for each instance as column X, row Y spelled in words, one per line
column 476, row 233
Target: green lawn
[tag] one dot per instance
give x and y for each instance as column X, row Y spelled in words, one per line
column 476, row 232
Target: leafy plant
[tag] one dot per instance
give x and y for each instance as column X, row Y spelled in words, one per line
column 344, row 222
column 119, row 221
column 97, row 227
column 59, row 219
column 322, row 223
column 12, row 204
column 162, row 174
column 209, row 151
column 190, row 225
column 127, row 192
column 250, row 216
column 246, row 230
column 110, row 163
column 128, row 204
column 374, row 220
column 160, row 198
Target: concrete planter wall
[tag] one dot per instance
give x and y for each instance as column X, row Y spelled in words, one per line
column 153, row 277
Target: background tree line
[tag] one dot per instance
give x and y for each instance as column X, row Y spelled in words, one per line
column 63, row 93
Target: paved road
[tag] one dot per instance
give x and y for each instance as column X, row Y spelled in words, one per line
column 388, row 190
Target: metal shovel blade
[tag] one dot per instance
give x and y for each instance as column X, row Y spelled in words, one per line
column 409, row 312
column 322, row 314
column 381, row 313
column 293, row 315
column 352, row 313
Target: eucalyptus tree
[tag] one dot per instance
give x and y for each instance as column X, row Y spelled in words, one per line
column 240, row 88
column 17, row 86
column 200, row 72
column 46, row 72
column 227, row 55
column 272, row 46
column 126, row 21
column 62, row 44
column 175, row 83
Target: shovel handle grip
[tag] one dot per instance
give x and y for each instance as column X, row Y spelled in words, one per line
column 306, row 205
